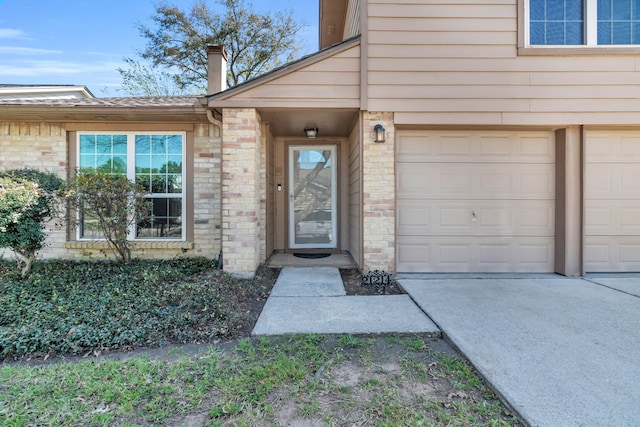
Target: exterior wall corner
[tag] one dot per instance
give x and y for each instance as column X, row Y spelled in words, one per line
column 378, row 193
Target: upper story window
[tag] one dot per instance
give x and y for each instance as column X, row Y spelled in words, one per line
column 154, row 160
column 583, row 22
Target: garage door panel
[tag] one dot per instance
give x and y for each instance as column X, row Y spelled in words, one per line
column 476, row 217
column 612, row 254
column 612, row 201
column 613, row 147
column 475, row 147
column 606, row 217
column 613, row 182
column 460, row 254
column 475, row 201
column 478, row 181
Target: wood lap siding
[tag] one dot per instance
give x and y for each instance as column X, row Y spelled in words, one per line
column 456, row 62
column 355, row 196
column 335, row 80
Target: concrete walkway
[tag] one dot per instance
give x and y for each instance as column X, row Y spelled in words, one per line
column 561, row 351
column 313, row 300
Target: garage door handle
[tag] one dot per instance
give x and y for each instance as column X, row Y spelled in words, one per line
column 474, row 214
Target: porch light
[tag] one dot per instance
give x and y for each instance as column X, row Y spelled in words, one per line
column 312, row 133
column 379, row 130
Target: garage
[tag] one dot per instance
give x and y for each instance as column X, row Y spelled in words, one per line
column 612, row 201
column 475, row 201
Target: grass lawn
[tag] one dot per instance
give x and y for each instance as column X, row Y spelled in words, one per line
column 53, row 325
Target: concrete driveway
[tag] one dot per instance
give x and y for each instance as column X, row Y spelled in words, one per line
column 562, row 351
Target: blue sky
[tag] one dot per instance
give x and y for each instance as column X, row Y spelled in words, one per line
column 83, row 42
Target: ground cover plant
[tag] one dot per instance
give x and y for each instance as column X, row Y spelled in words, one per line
column 295, row 380
column 60, row 327
column 69, row 307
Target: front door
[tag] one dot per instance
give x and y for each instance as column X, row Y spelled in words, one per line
column 312, row 197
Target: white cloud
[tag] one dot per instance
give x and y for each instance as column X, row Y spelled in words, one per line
column 45, row 69
column 12, row 33
column 26, row 51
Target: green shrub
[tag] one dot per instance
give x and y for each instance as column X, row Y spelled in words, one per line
column 116, row 202
column 27, row 202
column 76, row 307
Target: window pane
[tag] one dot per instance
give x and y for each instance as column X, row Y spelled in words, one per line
column 556, row 22
column 87, row 144
column 604, row 33
column 555, row 33
column 165, row 220
column 604, row 9
column 89, row 228
column 107, row 153
column 618, row 21
column 635, row 10
column 119, row 144
column 554, row 10
column 537, row 33
column 621, row 10
column 536, row 10
column 574, row 33
column 174, row 164
column 158, row 183
column 175, row 144
column 158, row 144
column 635, row 32
column 621, row 32
column 174, row 184
column 159, row 163
column 574, row 10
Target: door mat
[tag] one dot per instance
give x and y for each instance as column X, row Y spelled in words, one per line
column 311, row 256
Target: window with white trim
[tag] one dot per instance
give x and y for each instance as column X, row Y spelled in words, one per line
column 582, row 22
column 154, row 160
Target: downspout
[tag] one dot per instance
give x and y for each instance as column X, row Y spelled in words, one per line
column 218, row 123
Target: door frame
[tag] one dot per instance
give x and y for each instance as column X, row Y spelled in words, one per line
column 335, row 196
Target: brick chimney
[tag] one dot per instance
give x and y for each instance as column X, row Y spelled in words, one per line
column 216, row 69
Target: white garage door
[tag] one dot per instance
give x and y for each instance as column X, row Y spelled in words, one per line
column 474, row 201
column 612, row 201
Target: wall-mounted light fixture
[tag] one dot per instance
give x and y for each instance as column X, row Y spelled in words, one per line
column 312, row 133
column 379, row 130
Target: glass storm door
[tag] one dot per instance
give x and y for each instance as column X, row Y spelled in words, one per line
column 312, row 196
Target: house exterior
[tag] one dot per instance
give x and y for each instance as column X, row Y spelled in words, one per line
column 510, row 144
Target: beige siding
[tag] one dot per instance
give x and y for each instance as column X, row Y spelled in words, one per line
column 334, row 81
column 355, row 195
column 456, row 62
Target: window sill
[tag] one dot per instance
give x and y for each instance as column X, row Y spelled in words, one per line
column 148, row 244
column 577, row 50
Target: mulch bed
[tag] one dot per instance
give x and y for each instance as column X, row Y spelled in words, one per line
column 353, row 284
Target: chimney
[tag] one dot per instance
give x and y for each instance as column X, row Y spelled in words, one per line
column 216, row 69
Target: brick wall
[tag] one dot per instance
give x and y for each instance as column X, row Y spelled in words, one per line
column 207, row 164
column 378, row 194
column 44, row 146
column 40, row 146
column 241, row 191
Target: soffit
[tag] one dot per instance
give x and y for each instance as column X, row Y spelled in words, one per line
column 291, row 123
column 332, row 17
